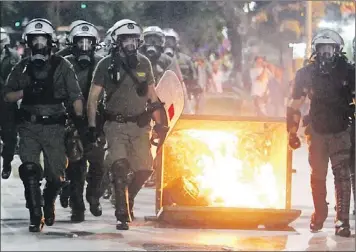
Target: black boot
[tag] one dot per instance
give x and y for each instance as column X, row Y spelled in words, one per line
column 320, row 205
column 77, row 187
column 50, row 194
column 66, row 189
column 139, row 179
column 93, row 191
column 6, row 169
column 31, row 175
column 343, row 194
column 121, row 172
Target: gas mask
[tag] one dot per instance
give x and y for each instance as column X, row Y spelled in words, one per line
column 153, row 48
column 83, row 51
column 128, row 46
column 170, row 46
column 326, row 57
column 39, row 50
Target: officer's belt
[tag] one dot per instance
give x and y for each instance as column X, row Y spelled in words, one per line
column 46, row 120
column 115, row 117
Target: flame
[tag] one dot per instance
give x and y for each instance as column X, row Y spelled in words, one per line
column 226, row 174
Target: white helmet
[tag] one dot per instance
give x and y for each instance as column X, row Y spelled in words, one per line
column 154, row 31
column 73, row 25
column 39, row 26
column 39, row 35
column 84, row 30
column 4, row 38
column 169, row 32
column 329, row 37
column 126, row 27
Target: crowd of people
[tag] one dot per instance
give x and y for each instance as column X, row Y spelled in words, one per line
column 96, row 103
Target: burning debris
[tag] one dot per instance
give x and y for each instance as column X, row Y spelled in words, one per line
column 240, row 167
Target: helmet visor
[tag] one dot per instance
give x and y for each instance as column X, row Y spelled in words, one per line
column 39, row 41
column 84, row 44
column 327, row 51
column 129, row 42
column 171, row 42
column 154, row 40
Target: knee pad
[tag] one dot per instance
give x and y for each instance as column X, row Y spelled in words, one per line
column 121, row 169
column 29, row 170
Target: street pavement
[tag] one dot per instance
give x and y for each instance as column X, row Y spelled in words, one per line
column 99, row 233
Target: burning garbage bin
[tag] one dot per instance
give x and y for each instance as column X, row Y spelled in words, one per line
column 226, row 171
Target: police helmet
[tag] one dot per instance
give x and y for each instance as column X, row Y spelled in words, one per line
column 39, row 26
column 153, row 35
column 328, row 37
column 84, row 30
column 169, row 33
column 126, row 27
column 4, row 38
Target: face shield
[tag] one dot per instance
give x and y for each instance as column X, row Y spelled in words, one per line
column 153, row 46
column 326, row 51
column 85, row 44
column 170, row 46
column 39, row 48
column 39, row 42
column 83, row 50
column 129, row 44
column 171, row 42
column 326, row 57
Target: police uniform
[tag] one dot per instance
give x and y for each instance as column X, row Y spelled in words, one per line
column 188, row 71
column 76, row 171
column 328, row 133
column 42, row 129
column 9, row 58
column 127, row 134
column 66, row 51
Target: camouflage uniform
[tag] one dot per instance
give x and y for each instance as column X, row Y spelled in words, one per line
column 8, row 131
column 128, row 144
column 328, row 134
column 76, row 171
column 42, row 126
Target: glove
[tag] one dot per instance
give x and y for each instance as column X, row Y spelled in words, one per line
column 161, row 133
column 92, row 135
column 294, row 141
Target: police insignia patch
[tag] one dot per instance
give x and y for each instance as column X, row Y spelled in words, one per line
column 85, row 28
column 141, row 74
column 38, row 26
column 130, row 26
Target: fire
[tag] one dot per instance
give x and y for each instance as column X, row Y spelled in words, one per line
column 227, row 168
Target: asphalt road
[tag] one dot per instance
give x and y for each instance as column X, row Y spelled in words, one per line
column 99, row 233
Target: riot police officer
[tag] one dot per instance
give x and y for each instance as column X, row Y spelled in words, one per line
column 186, row 66
column 83, row 40
column 329, row 82
column 8, row 133
column 68, row 49
column 131, row 101
column 153, row 49
column 44, row 82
